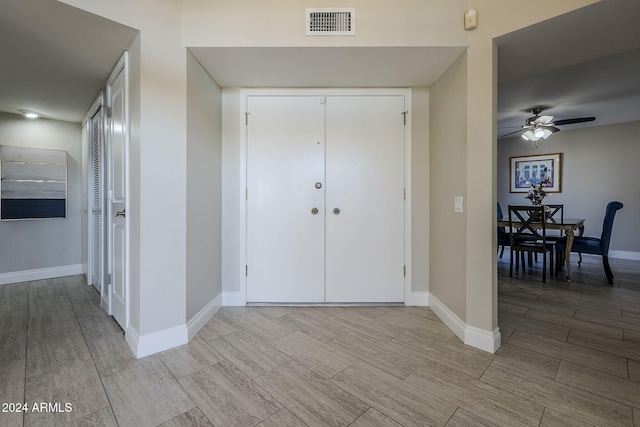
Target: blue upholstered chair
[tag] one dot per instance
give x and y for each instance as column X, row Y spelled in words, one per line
column 593, row 245
column 503, row 236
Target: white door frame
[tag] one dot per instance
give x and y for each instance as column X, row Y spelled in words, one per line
column 120, row 68
column 244, row 93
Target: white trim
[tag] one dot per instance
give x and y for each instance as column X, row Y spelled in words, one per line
column 449, row 318
column 234, row 299
column 155, row 342
column 470, row 335
column 203, row 316
column 484, row 340
column 41, row 273
column 635, row 256
column 417, row 299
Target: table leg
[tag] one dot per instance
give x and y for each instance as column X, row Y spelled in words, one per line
column 567, row 253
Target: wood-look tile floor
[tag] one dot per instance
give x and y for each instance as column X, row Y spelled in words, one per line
column 570, row 356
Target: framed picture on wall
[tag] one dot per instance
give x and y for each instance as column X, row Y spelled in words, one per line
column 33, row 183
column 527, row 170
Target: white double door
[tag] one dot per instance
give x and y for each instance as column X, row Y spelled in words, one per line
column 325, row 199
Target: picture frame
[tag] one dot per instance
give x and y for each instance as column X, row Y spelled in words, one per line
column 526, row 170
column 33, row 183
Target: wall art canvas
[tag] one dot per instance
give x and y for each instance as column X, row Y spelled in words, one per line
column 33, row 183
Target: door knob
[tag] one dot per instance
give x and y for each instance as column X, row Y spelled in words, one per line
column 336, row 211
column 121, row 213
column 314, row 211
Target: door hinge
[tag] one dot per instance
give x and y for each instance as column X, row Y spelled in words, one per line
column 246, row 193
column 246, row 271
column 404, row 116
column 246, row 118
column 405, row 194
column 404, row 271
column 109, row 279
column 323, row 99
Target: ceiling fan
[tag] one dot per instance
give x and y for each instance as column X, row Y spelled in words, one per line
column 538, row 126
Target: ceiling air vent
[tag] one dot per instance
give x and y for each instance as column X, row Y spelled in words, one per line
column 331, row 22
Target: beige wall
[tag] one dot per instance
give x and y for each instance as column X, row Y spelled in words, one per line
column 448, row 135
column 420, row 201
column 282, row 23
column 204, row 213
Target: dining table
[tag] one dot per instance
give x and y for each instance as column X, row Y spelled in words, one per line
column 566, row 225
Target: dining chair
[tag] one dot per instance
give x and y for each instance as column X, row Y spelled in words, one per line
column 553, row 212
column 592, row 245
column 503, row 236
column 529, row 234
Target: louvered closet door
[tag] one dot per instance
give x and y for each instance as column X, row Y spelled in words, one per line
column 365, row 181
column 285, row 209
column 97, row 200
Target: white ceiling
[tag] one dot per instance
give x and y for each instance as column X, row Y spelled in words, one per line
column 581, row 64
column 55, row 58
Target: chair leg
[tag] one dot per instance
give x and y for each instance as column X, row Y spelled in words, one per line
column 551, row 264
column 559, row 262
column 511, row 264
column 607, row 269
column 579, row 258
column 544, row 268
column 524, row 266
column 502, row 251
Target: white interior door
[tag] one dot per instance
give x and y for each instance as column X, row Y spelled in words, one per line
column 117, row 170
column 285, row 183
column 365, row 182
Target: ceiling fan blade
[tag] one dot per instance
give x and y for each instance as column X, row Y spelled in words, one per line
column 543, row 120
column 553, row 129
column 572, row 121
column 519, row 130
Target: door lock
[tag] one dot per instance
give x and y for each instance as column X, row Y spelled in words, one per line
column 336, row 211
column 318, row 185
column 121, row 213
column 314, row 211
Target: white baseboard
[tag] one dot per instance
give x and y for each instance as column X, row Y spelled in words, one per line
column 155, row 342
column 484, row 340
column 635, row 256
column 203, row 316
column 454, row 323
column 418, row 299
column 233, row 299
column 40, row 274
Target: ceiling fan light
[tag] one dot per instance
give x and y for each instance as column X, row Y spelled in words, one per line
column 529, row 136
column 547, row 133
column 539, row 133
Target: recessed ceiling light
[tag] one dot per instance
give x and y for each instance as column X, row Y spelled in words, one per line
column 30, row 114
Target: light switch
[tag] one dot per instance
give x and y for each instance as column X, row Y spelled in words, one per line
column 457, row 204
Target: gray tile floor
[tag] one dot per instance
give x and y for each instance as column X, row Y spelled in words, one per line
column 570, row 356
